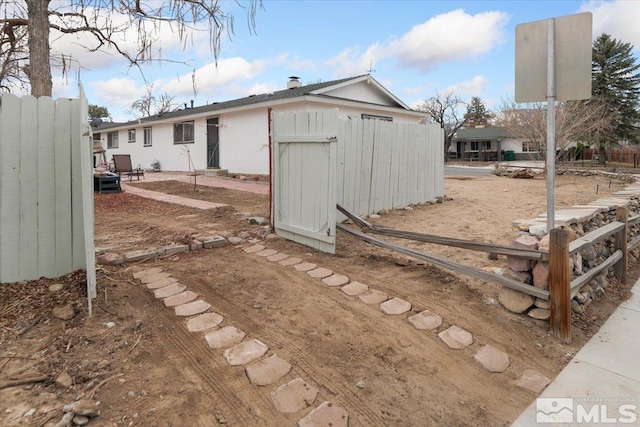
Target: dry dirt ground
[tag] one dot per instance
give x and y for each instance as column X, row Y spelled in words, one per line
column 148, row 370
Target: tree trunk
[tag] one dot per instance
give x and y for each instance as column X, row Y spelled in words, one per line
column 39, row 68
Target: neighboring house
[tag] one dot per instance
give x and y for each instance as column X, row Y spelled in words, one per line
column 235, row 135
column 492, row 143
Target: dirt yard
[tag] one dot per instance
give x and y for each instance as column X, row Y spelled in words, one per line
column 139, row 361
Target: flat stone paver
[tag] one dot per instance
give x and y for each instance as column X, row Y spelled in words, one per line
column 253, row 249
column 155, row 277
column 373, row 296
column 426, row 320
column 266, row 252
column 169, row 290
column 192, row 308
column 533, row 381
column 354, row 288
column 293, row 396
column 224, row 337
column 161, row 283
column 456, row 338
column 335, row 280
column 539, row 313
column 492, row 359
column 327, row 414
column 245, row 352
column 320, row 273
column 204, row 322
column 395, row 306
column 147, row 272
column 304, row 266
column 179, row 299
column 277, row 257
column 268, row 371
column 290, row 261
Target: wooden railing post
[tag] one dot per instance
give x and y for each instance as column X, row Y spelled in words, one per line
column 620, row 268
column 560, row 285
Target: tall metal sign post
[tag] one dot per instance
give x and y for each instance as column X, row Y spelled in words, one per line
column 553, row 63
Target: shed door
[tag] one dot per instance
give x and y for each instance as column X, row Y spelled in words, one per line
column 213, row 146
column 304, row 193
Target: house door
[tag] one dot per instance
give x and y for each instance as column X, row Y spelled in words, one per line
column 213, row 145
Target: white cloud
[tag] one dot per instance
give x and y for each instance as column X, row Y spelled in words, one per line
column 618, row 18
column 211, row 80
column 469, row 88
column 116, row 93
column 452, row 36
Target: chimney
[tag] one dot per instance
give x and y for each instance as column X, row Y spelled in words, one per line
column 293, row 82
column 192, row 103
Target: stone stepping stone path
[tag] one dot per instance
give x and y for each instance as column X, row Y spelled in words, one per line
column 290, row 261
column 293, row 396
column 245, row 352
column 179, row 299
column 373, row 296
column 204, row 322
column 266, row 252
column 289, row 398
column 161, row 283
column 320, row 273
column 167, row 291
column 327, row 414
column 154, row 277
column 456, row 338
column 268, row 371
column 224, row 337
column 192, row 308
column 492, row 359
column 335, row 280
column 277, row 257
column 304, row 266
column 395, row 306
column 426, row 320
column 253, row 249
column 533, row 381
column 354, row 288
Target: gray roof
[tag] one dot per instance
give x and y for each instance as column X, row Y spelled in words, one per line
column 486, row 133
column 240, row 102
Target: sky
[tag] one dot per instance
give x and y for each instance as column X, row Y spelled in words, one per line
column 414, row 48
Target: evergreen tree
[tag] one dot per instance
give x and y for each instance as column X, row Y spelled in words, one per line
column 616, row 80
column 477, row 114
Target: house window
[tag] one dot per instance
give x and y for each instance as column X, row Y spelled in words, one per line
column 529, row 147
column 374, row 117
column 183, row 133
column 480, row 145
column 475, row 145
column 147, row 137
column 132, row 135
column 112, row 140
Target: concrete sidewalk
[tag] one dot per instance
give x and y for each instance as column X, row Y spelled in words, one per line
column 601, row 385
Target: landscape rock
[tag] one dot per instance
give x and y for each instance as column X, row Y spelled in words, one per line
column 521, row 276
column 540, row 303
column 65, row 312
column 545, row 243
column 245, row 352
column 539, row 313
column 327, row 414
column 373, row 296
column 267, row 371
column 258, row 220
column 395, row 306
column 236, row 240
column 514, row 301
column 524, row 241
column 56, row 287
column 293, row 396
column 541, row 275
column 354, row 288
column 86, row 407
column 425, row 320
column 335, row 280
column 224, row 337
column 192, row 308
column 203, row 322
column 110, row 258
column 64, row 380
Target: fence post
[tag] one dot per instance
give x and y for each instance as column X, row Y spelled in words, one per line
column 560, row 285
column 620, row 267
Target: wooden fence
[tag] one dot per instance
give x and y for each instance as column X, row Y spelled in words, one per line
column 46, row 189
column 561, row 288
column 384, row 165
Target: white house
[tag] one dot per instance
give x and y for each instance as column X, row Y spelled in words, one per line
column 235, row 135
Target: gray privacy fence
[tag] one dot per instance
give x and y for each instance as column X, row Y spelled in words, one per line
column 384, row 165
column 46, row 189
column 320, row 160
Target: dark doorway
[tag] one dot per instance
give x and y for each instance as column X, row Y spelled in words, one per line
column 213, row 144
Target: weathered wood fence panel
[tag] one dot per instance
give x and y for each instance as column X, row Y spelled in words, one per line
column 383, row 165
column 46, row 189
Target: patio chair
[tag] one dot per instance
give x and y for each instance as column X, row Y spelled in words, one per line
column 122, row 165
